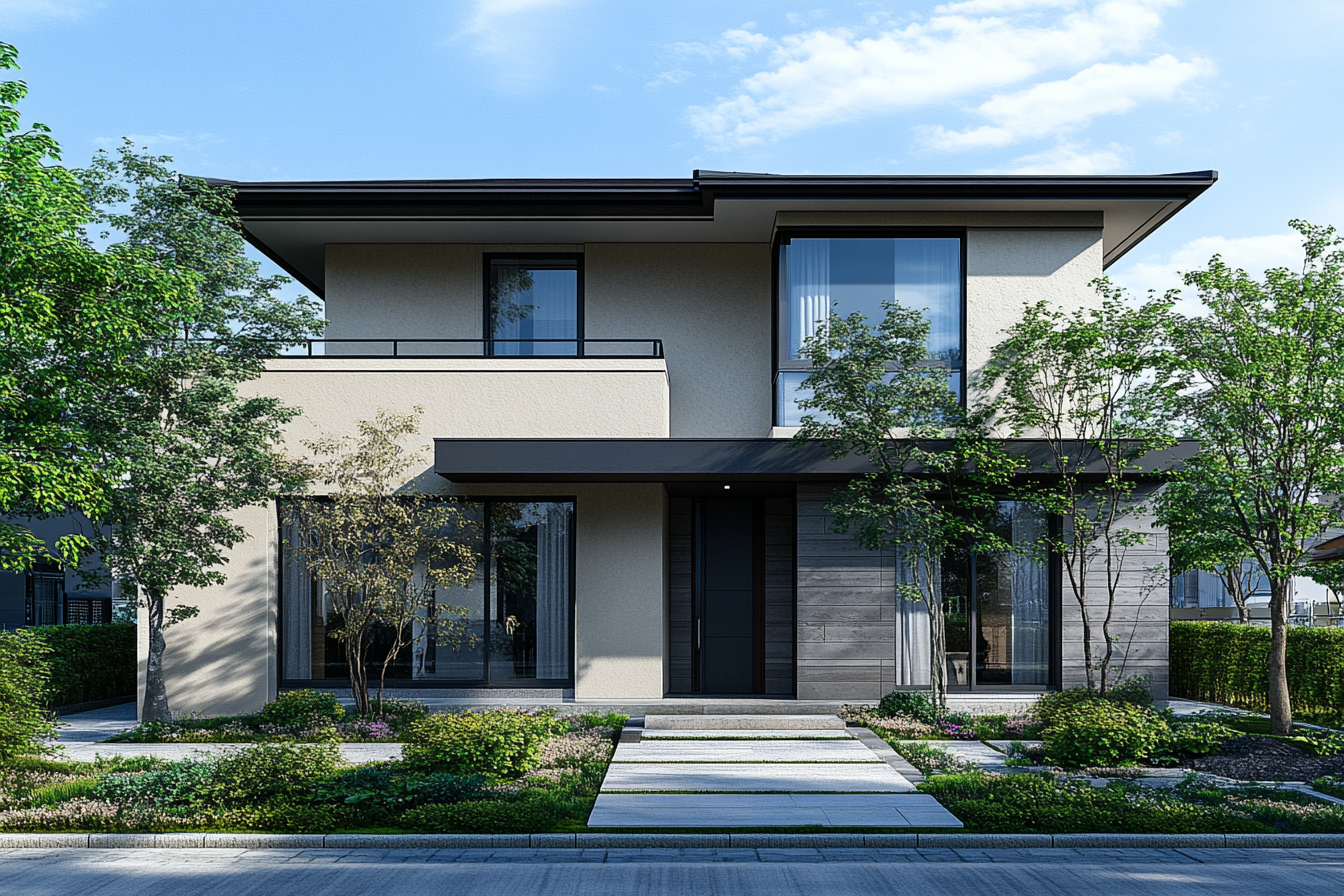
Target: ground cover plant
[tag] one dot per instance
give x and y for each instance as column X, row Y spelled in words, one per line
column 294, row 717
column 913, row 715
column 499, row 771
column 1049, row 802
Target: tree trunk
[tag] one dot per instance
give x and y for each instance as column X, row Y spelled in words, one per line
column 938, row 652
column 1087, row 644
column 155, row 706
column 359, row 677
column 1280, row 705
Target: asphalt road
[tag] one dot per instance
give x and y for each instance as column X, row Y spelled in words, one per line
column 732, row 872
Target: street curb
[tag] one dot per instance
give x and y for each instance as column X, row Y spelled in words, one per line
column 756, row 840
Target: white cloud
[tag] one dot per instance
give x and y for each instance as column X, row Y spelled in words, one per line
column 1069, row 158
column 1254, row 254
column 159, row 142
column 21, row 13
column 518, row 34
column 1057, row 107
column 675, row 76
column 829, row 76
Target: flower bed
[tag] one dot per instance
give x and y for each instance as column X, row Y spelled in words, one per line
column 304, row 716
column 1048, row 802
column 532, row 773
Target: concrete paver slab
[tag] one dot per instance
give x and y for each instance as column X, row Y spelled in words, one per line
column 744, row 722
column 752, row 734
column 711, row 776
column 725, row 810
column 745, row 751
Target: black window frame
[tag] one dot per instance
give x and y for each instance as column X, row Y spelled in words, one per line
column 489, row 259
column 449, row 683
column 779, row 336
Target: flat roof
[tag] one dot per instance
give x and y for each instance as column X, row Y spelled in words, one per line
column 292, row 222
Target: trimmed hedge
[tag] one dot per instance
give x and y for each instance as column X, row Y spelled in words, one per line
column 89, row 662
column 1225, row 662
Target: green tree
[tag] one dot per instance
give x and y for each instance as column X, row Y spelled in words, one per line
column 936, row 480
column 24, row 675
column 1200, row 538
column 380, row 548
column 1259, row 380
column 1080, row 383
column 191, row 449
column 69, row 317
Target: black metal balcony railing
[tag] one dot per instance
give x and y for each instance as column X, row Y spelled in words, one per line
column 478, row 348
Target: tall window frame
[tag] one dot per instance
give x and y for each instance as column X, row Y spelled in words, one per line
column 542, row 260
column 782, row 363
column 487, row 503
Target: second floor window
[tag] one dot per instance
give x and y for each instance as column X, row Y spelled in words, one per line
column 818, row 276
column 534, row 305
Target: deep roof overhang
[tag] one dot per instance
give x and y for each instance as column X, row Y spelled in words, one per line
column 700, row 460
column 293, row 222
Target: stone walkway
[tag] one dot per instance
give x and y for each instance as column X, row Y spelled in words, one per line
column 733, row 772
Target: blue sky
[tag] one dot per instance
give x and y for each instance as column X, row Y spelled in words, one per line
column 628, row 88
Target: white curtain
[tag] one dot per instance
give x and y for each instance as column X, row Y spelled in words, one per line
column 913, row 653
column 553, row 537
column 928, row 277
column 807, row 271
column 1031, row 602
column 296, row 610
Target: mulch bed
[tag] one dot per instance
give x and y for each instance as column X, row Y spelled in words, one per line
column 1252, row 758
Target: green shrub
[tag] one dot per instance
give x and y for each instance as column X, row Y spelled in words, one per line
column 520, row 816
column 51, row 794
column 25, row 670
column 1028, row 803
column 1135, row 691
column 494, row 742
column 298, row 709
column 89, row 662
column 1102, row 733
column 397, row 713
column 593, row 720
column 1331, row 785
column 266, row 771
column 1227, row 663
column 913, row 704
column 1052, row 703
column 1187, row 738
column 180, row 783
column 446, row 788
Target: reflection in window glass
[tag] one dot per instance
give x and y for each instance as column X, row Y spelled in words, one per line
column 1013, row 605
column 517, row 607
column 532, row 302
column 820, row 276
column 529, row 589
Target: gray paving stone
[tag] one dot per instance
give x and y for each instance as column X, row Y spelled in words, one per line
column 408, row 841
column 1140, row 841
column 983, row 841
column 264, row 841
column 43, row 841
column 711, row 776
column 152, row 841
column 744, row 722
column 553, row 841
column 1286, row 841
column 740, row 734
column 651, row 841
column 848, row 750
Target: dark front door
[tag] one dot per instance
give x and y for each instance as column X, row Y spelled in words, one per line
column 729, row 599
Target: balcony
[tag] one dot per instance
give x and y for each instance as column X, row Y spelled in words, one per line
column 480, row 348
column 473, row 388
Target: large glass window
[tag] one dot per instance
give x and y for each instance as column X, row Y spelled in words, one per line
column 996, row 608
column 514, row 623
column 534, row 306
column 818, row 276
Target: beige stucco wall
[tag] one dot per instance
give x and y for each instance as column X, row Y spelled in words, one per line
column 708, row 302
column 475, row 397
column 222, row 661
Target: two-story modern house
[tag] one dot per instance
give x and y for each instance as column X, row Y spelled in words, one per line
column 610, row 372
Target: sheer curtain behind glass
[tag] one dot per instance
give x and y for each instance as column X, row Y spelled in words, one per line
column 1031, row 601
column 534, row 302
column 553, row 540
column 913, row 654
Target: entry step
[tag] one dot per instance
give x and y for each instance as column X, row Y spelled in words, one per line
column 744, row 723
